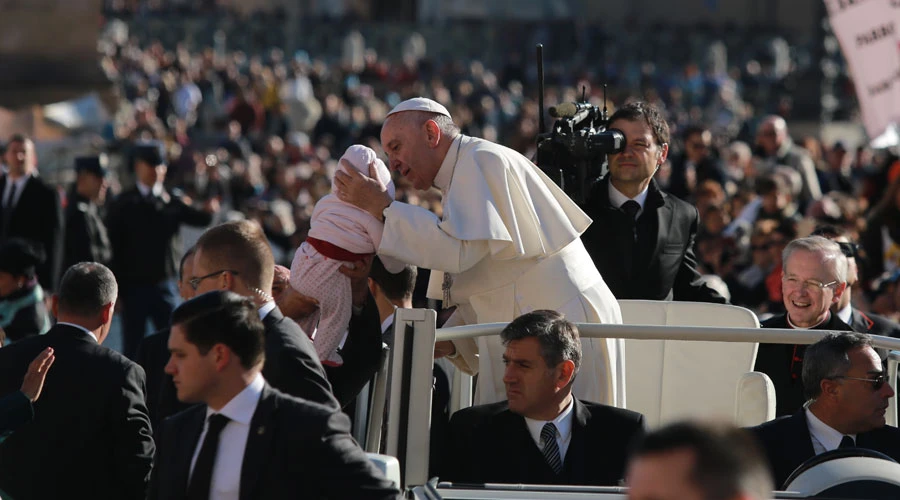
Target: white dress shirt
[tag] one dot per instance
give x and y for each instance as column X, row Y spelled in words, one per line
column 266, row 309
column 846, row 313
column 226, row 475
column 563, row 423
column 157, row 189
column 824, row 438
column 616, row 198
column 18, row 185
column 85, row 330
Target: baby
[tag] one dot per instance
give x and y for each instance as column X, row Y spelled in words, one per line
column 339, row 233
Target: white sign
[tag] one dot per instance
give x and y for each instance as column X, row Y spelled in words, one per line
column 869, row 34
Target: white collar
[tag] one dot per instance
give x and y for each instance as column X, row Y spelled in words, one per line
column 387, row 323
column 825, row 434
column 266, row 308
column 242, row 407
column 85, row 330
column 846, row 313
column 563, row 423
column 445, row 173
column 157, row 189
column 787, row 316
column 616, row 198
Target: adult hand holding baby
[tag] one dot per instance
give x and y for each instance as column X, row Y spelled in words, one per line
column 367, row 193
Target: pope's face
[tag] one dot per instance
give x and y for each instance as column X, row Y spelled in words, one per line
column 406, row 145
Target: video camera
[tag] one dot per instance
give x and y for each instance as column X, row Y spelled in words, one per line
column 574, row 152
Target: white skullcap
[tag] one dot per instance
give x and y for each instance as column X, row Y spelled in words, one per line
column 420, row 104
column 360, row 157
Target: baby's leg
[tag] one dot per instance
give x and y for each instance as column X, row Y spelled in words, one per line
column 319, row 277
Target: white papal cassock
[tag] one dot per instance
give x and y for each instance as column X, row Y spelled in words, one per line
column 509, row 237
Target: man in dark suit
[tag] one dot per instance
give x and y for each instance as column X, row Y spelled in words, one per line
column 153, row 355
column 30, row 209
column 541, row 434
column 90, row 437
column 86, row 236
column 860, row 321
column 247, row 440
column 845, row 384
column 813, row 280
column 688, row 460
column 236, row 256
column 695, row 165
column 642, row 239
column 144, row 225
column 17, row 408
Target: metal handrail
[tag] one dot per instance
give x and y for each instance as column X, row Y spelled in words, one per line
column 693, row 333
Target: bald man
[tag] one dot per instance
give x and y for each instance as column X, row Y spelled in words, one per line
column 776, row 148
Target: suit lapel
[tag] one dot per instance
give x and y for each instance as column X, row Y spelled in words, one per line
column 664, row 219
column 186, row 443
column 259, row 442
column 804, row 449
column 576, row 455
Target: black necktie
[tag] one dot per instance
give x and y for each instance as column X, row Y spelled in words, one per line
column 203, row 468
column 631, row 208
column 847, row 442
column 551, row 448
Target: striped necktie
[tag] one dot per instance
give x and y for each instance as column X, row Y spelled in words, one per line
column 551, row 448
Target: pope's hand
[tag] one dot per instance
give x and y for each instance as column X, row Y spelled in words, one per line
column 364, row 192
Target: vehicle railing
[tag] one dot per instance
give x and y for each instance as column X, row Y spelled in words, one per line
column 410, row 377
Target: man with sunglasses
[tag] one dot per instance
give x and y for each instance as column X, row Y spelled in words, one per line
column 695, row 164
column 814, row 277
column 236, row 256
column 860, row 321
column 847, row 398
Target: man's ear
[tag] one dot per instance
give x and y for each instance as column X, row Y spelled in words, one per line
column 838, row 291
column 432, row 133
column 107, row 313
column 829, row 387
column 566, row 373
column 663, row 154
column 221, row 356
column 54, row 305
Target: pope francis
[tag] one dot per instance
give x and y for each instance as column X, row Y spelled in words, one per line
column 507, row 243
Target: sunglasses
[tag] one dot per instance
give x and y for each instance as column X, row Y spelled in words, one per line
column 877, row 382
column 195, row 282
column 848, row 249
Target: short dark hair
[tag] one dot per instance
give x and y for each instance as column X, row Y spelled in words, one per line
column 770, row 184
column 649, row 114
column 187, row 255
column 557, row 336
column 86, row 288
column 223, row 317
column 396, row 286
column 694, row 129
column 828, row 358
column 727, row 460
column 16, row 138
column 241, row 246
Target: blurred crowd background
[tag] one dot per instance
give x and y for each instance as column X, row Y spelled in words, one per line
column 255, row 102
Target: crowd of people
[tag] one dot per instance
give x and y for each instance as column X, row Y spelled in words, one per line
column 247, row 148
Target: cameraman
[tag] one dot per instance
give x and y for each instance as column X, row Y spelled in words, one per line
column 642, row 239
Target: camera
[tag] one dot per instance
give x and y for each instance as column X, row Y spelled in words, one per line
column 573, row 153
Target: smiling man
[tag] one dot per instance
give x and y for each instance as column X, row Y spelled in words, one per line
column 541, row 434
column 848, row 396
column 642, row 238
column 813, row 279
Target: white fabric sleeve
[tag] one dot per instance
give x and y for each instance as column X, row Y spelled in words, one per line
column 412, row 235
